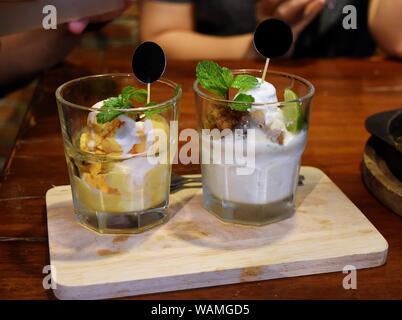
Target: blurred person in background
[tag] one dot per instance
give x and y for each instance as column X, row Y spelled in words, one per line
column 223, row 29
column 24, row 54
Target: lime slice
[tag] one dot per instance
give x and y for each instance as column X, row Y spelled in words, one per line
column 292, row 112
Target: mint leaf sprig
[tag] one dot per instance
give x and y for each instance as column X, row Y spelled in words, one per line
column 109, row 109
column 219, row 80
column 246, row 100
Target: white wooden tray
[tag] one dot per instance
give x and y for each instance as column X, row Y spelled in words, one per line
column 195, row 249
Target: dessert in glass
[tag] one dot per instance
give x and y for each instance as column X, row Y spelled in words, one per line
column 118, row 150
column 269, row 116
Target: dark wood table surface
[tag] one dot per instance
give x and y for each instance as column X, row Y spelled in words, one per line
column 347, row 92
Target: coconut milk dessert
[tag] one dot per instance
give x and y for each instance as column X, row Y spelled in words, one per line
column 112, row 172
column 266, row 193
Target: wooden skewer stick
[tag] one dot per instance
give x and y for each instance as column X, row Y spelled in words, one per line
column 264, row 73
column 149, row 93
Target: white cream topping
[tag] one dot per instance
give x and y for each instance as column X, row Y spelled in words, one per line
column 265, row 92
column 91, row 119
column 148, row 131
column 126, row 135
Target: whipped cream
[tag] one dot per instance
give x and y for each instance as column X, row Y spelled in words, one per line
column 265, row 93
column 127, row 135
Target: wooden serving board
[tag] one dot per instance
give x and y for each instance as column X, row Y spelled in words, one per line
column 195, row 249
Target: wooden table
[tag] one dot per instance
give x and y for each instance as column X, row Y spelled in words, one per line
column 347, row 92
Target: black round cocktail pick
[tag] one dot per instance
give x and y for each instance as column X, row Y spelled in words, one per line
column 273, row 38
column 149, row 62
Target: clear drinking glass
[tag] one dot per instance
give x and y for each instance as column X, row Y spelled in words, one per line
column 118, row 184
column 265, row 191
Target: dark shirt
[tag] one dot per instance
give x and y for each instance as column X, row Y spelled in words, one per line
column 222, row 17
column 324, row 37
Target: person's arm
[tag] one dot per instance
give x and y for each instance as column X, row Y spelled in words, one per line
column 385, row 23
column 24, row 54
column 172, row 26
column 298, row 13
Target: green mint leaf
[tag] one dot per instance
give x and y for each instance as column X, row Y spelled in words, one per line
column 139, row 95
column 177, row 90
column 129, row 93
column 244, row 82
column 127, row 90
column 227, row 76
column 109, row 109
column 111, row 103
column 242, row 97
column 213, row 78
column 107, row 115
column 218, row 80
column 151, row 112
column 107, row 112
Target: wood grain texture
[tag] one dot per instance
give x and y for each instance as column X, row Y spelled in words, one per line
column 326, row 234
column 347, row 92
column 380, row 180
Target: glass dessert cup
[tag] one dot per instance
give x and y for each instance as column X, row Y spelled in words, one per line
column 261, row 189
column 119, row 169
